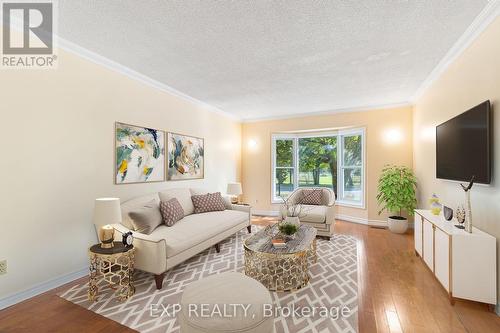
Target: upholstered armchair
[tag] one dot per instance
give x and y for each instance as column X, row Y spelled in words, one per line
column 321, row 217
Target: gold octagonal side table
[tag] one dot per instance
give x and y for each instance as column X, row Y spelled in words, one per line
column 115, row 266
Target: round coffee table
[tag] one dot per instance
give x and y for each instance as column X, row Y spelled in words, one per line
column 280, row 269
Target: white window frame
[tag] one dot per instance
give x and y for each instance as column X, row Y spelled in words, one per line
column 340, row 167
column 340, row 134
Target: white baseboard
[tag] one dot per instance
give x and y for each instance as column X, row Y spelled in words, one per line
column 348, row 218
column 41, row 288
column 265, row 212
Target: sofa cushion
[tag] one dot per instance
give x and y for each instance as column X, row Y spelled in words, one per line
column 145, row 219
column 183, row 195
column 311, row 197
column 313, row 214
column 197, row 228
column 134, row 204
column 209, row 202
column 171, row 211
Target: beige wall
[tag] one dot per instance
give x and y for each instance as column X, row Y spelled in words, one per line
column 473, row 78
column 57, row 157
column 256, row 161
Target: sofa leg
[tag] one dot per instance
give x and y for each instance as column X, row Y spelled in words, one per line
column 217, row 248
column 249, row 228
column 159, row 280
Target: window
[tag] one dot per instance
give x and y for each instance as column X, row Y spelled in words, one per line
column 334, row 160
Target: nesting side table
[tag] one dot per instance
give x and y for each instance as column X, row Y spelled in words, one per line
column 115, row 266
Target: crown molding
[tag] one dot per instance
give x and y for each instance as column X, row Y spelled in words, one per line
column 480, row 23
column 117, row 67
column 332, row 111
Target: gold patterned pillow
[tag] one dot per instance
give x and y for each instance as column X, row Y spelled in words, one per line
column 171, row 211
column 210, row 202
column 312, row 197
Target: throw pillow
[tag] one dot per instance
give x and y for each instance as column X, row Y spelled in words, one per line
column 209, row 202
column 312, row 197
column 171, row 211
column 146, row 218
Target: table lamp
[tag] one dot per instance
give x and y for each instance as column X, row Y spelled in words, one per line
column 106, row 212
column 234, row 189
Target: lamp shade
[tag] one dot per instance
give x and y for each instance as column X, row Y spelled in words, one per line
column 234, row 189
column 107, row 211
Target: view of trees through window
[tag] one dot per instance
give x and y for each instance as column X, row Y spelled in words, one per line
column 317, row 161
column 284, row 167
column 351, row 167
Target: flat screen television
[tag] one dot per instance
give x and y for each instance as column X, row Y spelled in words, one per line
column 463, row 146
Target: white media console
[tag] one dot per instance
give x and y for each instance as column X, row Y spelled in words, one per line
column 464, row 263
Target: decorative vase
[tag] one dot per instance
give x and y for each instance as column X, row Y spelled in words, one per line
column 468, row 219
column 447, row 213
column 460, row 214
column 292, row 220
column 435, row 205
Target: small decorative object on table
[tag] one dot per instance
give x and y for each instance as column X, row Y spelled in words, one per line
column 435, row 205
column 106, row 236
column 127, row 239
column 468, row 219
column 448, row 213
column 287, row 229
column 115, row 266
column 278, row 243
column 290, row 221
column 460, row 217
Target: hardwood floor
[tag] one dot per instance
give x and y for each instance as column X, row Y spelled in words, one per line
column 397, row 293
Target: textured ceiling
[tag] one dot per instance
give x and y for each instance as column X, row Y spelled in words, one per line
column 258, row 59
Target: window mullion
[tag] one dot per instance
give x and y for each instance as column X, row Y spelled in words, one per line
column 340, row 171
column 295, row 163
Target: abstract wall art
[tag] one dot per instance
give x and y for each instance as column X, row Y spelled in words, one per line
column 186, row 157
column 139, row 154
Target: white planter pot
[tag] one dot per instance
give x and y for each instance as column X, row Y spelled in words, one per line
column 292, row 220
column 397, row 224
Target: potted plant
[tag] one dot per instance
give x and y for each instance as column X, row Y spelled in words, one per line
column 288, row 230
column 396, row 192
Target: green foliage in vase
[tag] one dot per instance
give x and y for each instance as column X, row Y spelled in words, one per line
column 396, row 189
column 288, row 228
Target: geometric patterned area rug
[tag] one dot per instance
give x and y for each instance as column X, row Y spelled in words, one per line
column 331, row 293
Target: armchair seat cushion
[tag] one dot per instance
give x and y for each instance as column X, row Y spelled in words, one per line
column 197, row 228
column 313, row 214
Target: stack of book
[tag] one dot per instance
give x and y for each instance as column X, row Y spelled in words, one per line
column 279, row 243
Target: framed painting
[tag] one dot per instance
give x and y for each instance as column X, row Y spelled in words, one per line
column 186, row 157
column 139, row 154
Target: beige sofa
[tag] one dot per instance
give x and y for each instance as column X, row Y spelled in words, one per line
column 166, row 247
column 320, row 217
